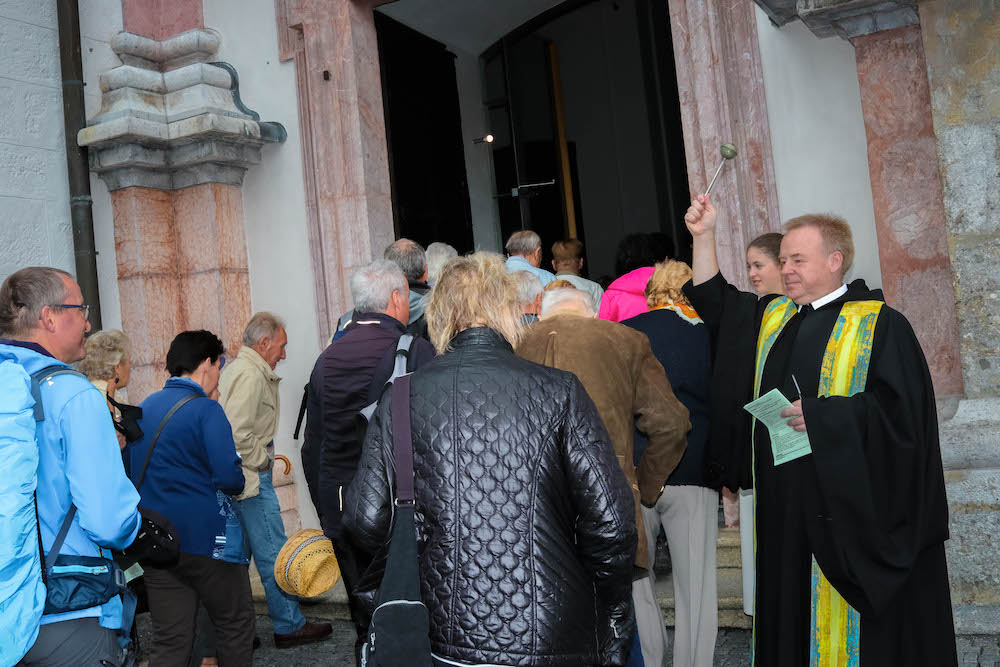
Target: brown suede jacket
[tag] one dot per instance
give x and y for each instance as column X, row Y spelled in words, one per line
column 629, row 387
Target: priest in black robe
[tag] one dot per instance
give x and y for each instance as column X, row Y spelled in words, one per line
column 864, row 513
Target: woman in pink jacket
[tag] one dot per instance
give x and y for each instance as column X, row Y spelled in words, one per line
column 635, row 264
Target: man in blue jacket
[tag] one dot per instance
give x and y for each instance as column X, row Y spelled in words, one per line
column 43, row 321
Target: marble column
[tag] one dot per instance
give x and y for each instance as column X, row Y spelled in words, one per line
column 159, row 19
column 148, row 285
column 172, row 142
column 345, row 155
column 719, row 78
column 906, row 186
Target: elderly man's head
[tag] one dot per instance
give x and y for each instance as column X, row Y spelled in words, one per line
column 474, row 291
column 567, row 256
column 438, row 254
column 567, row 301
column 45, row 306
column 816, row 253
column 380, row 287
column 410, row 257
column 265, row 334
column 526, row 244
column 529, row 290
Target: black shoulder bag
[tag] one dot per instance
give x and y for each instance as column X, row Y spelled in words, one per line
column 399, row 632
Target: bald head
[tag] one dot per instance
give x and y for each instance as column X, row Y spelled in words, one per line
column 567, row 301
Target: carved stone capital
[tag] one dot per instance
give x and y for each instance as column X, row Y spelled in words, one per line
column 846, row 18
column 170, row 119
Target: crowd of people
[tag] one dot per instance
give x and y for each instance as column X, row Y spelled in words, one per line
column 557, row 428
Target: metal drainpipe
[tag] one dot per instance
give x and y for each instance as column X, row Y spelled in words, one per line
column 77, row 164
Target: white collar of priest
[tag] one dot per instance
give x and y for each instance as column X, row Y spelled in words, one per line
column 829, row 298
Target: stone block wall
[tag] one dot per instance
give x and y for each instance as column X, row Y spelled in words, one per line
column 34, row 194
column 962, row 45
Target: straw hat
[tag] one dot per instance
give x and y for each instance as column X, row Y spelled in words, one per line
column 306, row 565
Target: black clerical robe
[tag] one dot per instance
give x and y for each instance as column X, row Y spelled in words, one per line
column 868, row 504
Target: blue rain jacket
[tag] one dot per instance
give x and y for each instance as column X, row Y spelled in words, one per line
column 79, row 463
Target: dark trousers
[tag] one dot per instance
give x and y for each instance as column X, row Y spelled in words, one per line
column 352, row 565
column 223, row 588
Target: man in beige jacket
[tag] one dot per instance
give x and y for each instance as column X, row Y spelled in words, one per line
column 248, row 392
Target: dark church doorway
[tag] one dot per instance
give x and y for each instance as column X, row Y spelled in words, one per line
column 430, row 195
column 581, row 100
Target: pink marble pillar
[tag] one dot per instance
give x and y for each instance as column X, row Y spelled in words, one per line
column 146, row 254
column 160, row 19
column 909, row 205
column 345, row 154
column 719, row 78
column 212, row 266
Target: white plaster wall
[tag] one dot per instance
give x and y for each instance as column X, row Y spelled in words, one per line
column 818, row 133
column 34, row 191
column 281, row 276
column 100, row 20
column 478, row 165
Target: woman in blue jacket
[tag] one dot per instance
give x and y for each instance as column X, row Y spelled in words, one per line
column 191, row 476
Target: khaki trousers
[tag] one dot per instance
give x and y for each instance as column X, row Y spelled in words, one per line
column 690, row 518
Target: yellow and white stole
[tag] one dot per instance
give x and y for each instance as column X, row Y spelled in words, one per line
column 835, row 639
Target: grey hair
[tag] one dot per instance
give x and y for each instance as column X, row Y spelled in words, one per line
column 372, row 285
column 528, row 286
column 25, row 293
column 438, row 254
column 564, row 297
column 409, row 256
column 105, row 350
column 523, row 243
column 262, row 325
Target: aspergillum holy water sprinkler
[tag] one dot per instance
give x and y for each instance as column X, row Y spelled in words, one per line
column 728, row 152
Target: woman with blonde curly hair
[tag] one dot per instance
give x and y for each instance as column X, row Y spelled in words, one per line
column 108, row 366
column 688, row 507
column 523, row 514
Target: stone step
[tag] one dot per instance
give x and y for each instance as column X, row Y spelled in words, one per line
column 730, row 587
column 332, row 605
column 728, row 553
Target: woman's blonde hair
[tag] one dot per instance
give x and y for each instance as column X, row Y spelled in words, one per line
column 665, row 284
column 105, row 349
column 474, row 291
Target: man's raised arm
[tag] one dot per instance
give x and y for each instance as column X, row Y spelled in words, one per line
column 700, row 221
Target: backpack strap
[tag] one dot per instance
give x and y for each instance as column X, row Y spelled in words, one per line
column 156, row 436
column 402, row 356
column 402, row 441
column 38, row 377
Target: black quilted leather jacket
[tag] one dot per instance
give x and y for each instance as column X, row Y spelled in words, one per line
column 525, row 521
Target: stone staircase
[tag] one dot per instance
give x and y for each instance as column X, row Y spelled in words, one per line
column 332, row 605
column 728, row 576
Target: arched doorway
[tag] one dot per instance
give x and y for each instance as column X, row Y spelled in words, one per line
column 581, row 99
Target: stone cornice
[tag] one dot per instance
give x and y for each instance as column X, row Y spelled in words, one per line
column 183, row 49
column 170, row 119
column 846, row 18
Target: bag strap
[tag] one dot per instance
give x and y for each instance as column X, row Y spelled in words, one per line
column 156, row 436
column 53, row 554
column 402, row 440
column 302, row 412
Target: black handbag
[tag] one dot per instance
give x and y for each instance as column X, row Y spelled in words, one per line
column 399, row 634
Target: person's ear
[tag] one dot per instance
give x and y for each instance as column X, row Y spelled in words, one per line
column 48, row 319
column 835, row 261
